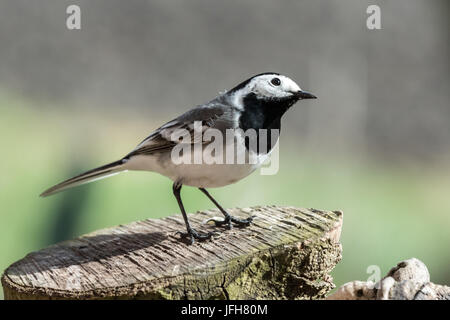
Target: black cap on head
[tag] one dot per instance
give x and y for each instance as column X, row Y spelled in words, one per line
column 244, row 83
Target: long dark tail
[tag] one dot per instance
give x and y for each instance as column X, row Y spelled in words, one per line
column 89, row 176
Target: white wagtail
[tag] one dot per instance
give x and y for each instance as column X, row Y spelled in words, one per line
column 257, row 103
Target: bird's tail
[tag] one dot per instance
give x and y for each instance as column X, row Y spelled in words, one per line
column 89, row 176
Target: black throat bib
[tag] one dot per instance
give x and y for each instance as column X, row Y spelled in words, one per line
column 263, row 113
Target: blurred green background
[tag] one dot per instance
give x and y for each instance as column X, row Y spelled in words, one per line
column 376, row 144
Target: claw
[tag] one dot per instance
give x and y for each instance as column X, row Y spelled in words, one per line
column 193, row 234
column 242, row 222
column 230, row 219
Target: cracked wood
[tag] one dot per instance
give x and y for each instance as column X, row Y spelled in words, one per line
column 287, row 253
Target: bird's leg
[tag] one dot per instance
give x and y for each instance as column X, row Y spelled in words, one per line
column 228, row 218
column 192, row 233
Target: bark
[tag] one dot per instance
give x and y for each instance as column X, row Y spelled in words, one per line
column 287, row 253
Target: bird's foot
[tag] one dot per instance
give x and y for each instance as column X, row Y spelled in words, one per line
column 193, row 235
column 228, row 220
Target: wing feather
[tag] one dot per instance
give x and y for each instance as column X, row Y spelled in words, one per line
column 162, row 139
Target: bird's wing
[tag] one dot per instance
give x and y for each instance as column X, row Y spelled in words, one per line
column 213, row 115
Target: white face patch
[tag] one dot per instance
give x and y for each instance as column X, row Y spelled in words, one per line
column 267, row 86
column 271, row 86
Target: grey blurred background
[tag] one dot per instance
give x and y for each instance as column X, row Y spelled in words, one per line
column 376, row 143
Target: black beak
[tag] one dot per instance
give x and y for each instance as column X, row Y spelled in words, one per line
column 304, row 95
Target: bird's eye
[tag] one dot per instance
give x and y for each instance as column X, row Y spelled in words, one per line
column 275, row 81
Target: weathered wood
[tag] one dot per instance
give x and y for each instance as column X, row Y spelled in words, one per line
column 287, row 253
column 409, row 280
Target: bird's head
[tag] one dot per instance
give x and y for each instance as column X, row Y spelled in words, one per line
column 270, row 86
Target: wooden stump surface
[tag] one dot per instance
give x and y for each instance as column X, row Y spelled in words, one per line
column 286, row 253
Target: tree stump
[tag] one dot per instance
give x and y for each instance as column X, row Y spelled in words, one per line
column 287, row 253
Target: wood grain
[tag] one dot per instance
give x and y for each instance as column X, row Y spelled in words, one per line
column 286, row 253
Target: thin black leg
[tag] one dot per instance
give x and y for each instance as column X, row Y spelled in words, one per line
column 192, row 233
column 228, row 218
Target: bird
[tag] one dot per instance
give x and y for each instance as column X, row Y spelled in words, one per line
column 254, row 105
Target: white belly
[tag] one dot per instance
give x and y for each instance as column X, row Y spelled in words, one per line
column 197, row 175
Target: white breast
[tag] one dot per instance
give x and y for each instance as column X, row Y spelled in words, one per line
column 200, row 175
